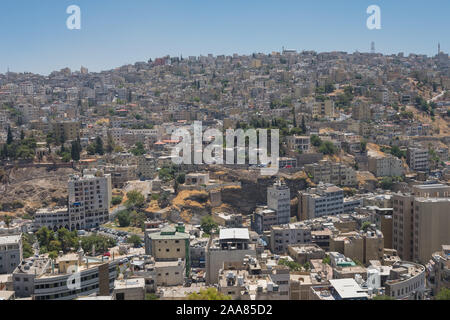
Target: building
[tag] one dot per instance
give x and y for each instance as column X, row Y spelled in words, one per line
column 146, row 167
column 326, row 199
column 385, row 166
column 129, row 289
column 323, row 109
column 169, row 245
column 438, row 275
column 40, row 279
column 303, row 253
column 418, row 159
column 330, row 172
column 279, row 199
column 301, row 143
column 421, row 221
column 232, row 245
column 54, row 219
column 66, row 130
column 89, row 199
column 11, row 254
column 281, row 236
column 263, row 219
column 406, row 281
column 361, row 111
column 359, row 246
column 339, row 289
column 228, row 220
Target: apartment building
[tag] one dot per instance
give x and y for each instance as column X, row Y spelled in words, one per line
column 263, row 219
column 279, row 199
column 89, row 199
column 418, row 159
column 302, row 143
column 326, row 199
column 385, row 166
column 52, row 218
column 438, row 267
column 146, row 167
column 421, row 221
column 66, row 130
column 232, row 245
column 331, row 172
column 323, row 109
column 282, row 236
column 361, row 111
column 10, row 252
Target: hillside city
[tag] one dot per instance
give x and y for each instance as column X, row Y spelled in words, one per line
column 94, row 207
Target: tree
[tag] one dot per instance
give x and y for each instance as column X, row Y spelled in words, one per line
column 99, row 146
column 383, row 297
column 328, row 148
column 9, row 138
column 303, row 125
column 116, row 200
column 295, row 120
column 316, row 141
column 138, row 150
column 75, row 152
column 444, row 294
column 181, row 178
column 109, row 144
column 135, row 241
column 387, row 183
column 123, row 218
column 208, row 294
column 208, row 224
column 22, row 135
column 365, row 226
column 135, row 199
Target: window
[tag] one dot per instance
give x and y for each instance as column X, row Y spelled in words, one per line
column 120, row 296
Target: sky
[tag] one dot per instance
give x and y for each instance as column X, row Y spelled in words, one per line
column 34, row 36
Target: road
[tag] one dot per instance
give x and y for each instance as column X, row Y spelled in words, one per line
column 437, row 97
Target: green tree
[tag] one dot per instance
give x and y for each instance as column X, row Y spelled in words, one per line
column 365, row 226
column 383, row 297
column 76, row 150
column 208, row 294
column 316, row 141
column 135, row 241
column 135, row 199
column 99, row 146
column 123, row 217
column 327, row 147
column 9, row 138
column 444, row 294
column 116, row 200
column 208, row 224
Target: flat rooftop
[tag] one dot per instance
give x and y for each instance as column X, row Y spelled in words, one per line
column 14, row 239
column 348, row 288
column 234, row 233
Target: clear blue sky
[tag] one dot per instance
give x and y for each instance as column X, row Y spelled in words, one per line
column 34, row 36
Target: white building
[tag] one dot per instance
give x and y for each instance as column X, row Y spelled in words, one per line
column 279, row 199
column 89, row 199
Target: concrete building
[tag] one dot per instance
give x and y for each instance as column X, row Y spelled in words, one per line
column 418, row 159
column 170, row 273
column 330, row 172
column 89, row 199
column 302, row 143
column 129, row 289
column 421, row 221
column 279, row 199
column 406, row 281
column 302, row 253
column 232, row 245
column 66, row 130
column 169, row 245
column 324, row 200
column 281, row 236
column 54, row 219
column 40, row 279
column 263, row 219
column 146, row 167
column 11, row 254
column 438, row 275
column 339, row 289
column 385, row 166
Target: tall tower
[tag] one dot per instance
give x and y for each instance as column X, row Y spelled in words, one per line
column 439, row 48
column 372, row 47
